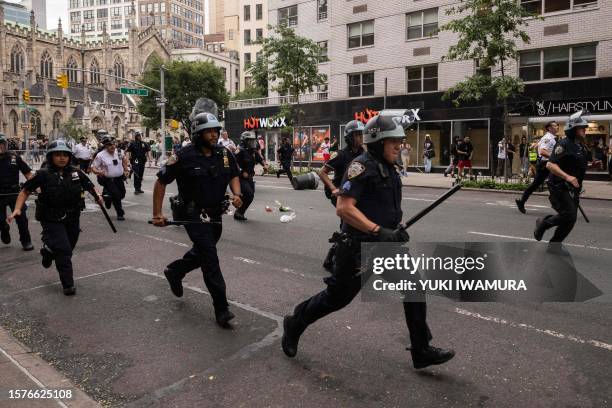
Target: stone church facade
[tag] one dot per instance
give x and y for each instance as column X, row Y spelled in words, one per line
column 31, row 58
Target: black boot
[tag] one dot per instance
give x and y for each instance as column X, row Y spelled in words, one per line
column 5, row 235
column 540, row 228
column 176, row 285
column 427, row 356
column 71, row 291
column 47, row 257
column 223, row 318
column 291, row 336
column 521, row 206
column 239, row 215
column 27, row 246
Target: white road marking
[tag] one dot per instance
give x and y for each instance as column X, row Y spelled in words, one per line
column 532, row 239
column 167, row 241
column 419, row 199
column 528, row 327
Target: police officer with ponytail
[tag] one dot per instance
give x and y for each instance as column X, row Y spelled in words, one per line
column 247, row 157
column 369, row 204
column 58, row 208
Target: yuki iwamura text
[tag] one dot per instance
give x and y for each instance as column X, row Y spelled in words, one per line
column 411, row 264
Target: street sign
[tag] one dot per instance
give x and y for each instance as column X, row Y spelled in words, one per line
column 134, row 91
column 159, row 99
column 25, row 126
column 22, row 105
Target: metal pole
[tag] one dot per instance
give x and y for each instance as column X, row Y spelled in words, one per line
column 385, row 97
column 163, row 112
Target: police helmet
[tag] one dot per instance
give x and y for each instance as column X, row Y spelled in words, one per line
column 58, row 145
column 107, row 140
column 350, row 128
column 574, row 122
column 3, row 138
column 382, row 127
column 101, row 134
column 204, row 121
column 137, row 133
column 248, row 135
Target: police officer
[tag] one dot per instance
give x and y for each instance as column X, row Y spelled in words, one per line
column 567, row 166
column 202, row 171
column 545, row 149
column 138, row 157
column 369, row 204
column 353, row 137
column 285, row 153
column 10, row 166
column 58, row 208
column 112, row 171
column 247, row 156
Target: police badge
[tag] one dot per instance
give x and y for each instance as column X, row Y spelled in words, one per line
column 558, row 149
column 355, row 169
column 225, row 159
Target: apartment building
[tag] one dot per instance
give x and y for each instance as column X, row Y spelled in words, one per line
column 214, row 15
column 93, row 16
column 227, row 62
column 395, row 49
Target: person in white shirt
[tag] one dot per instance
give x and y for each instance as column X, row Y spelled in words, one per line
column 226, row 142
column 545, row 148
column 112, row 169
column 186, row 142
column 82, row 154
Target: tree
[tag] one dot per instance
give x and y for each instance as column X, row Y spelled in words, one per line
column 488, row 30
column 185, row 82
column 250, row 92
column 71, row 129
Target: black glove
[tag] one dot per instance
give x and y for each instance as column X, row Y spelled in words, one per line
column 389, row 235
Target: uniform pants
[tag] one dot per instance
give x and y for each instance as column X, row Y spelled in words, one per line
column 138, row 170
column 60, row 238
column 203, row 255
column 22, row 220
column 539, row 179
column 114, row 189
column 247, row 188
column 286, row 165
column 567, row 213
column 344, row 285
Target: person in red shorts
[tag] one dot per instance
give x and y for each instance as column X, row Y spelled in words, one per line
column 465, row 151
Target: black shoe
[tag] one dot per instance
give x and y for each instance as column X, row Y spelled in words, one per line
column 538, row 233
column 224, row 317
column 120, row 217
column 176, row 285
column 291, row 336
column 107, row 202
column 557, row 248
column 278, row 174
column 239, row 216
column 71, row 291
column 47, row 257
column 445, row 175
column 27, row 246
column 136, row 192
column 140, row 192
column 521, row 206
column 5, row 236
column 430, row 356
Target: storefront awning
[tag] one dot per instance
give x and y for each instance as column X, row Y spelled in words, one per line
column 545, row 119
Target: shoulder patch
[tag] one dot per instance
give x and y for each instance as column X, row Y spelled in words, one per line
column 355, row 169
column 559, row 149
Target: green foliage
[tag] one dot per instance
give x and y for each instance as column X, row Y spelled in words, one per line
column 71, row 129
column 259, row 76
column 251, row 92
column 185, row 82
column 489, row 184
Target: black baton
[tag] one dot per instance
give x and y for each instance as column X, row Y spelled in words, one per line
column 573, row 191
column 430, row 207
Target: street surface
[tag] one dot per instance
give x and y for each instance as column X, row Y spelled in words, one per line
column 125, row 340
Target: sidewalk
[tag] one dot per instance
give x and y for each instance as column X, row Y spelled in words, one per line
column 601, row 190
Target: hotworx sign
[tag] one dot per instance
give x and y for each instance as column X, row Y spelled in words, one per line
column 259, row 123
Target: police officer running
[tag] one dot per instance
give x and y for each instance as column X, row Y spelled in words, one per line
column 138, row 157
column 353, row 137
column 567, row 166
column 285, row 153
column 369, row 204
column 112, row 171
column 10, row 166
column 202, row 171
column 58, row 208
column 545, row 149
column 247, row 156
column 82, row 154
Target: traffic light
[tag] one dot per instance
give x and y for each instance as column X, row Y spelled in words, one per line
column 26, row 95
column 62, row 80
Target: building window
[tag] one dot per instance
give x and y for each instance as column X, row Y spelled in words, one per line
column 72, row 70
column 324, row 86
column 35, row 123
column 115, row 11
column 88, row 15
column 247, row 60
column 57, row 119
column 258, row 34
column 323, row 45
column 247, row 13
column 75, row 17
column 258, row 11
column 361, row 84
column 321, row 10
column 94, row 74
column 46, row 65
column 560, row 62
column 247, row 37
column 288, row 16
column 422, row 23
column 361, row 34
column 75, row 4
column 119, row 70
column 17, row 60
column 422, row 79
column 102, row 13
column 551, row 6
column 481, row 70
column 230, row 34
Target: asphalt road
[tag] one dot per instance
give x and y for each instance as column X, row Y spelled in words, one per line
column 125, row 340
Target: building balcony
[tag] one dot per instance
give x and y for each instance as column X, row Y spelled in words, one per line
column 278, row 100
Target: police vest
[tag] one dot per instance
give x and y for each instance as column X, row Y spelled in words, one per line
column 533, row 155
column 246, row 160
column 9, row 174
column 59, row 195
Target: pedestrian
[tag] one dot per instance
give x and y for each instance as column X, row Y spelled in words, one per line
column 405, row 151
column 524, row 154
column 545, row 148
column 369, row 204
column 36, row 151
column 203, row 170
column 465, row 151
column 285, row 154
column 112, row 170
column 186, row 142
column 58, row 208
column 226, row 142
column 247, row 156
column 353, row 137
column 138, row 151
column 155, row 151
column 501, row 157
column 510, row 150
column 11, row 164
column 176, row 145
column 454, row 158
column 567, row 166
column 82, row 154
column 428, row 153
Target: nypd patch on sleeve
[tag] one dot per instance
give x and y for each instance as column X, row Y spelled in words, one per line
column 558, row 149
column 355, row 169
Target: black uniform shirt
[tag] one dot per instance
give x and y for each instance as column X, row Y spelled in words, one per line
column 572, row 158
column 247, row 158
column 138, row 150
column 60, row 190
column 340, row 162
column 285, row 152
column 377, row 188
column 200, row 179
column 10, row 166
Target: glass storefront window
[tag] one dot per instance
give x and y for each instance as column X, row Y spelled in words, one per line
column 440, row 135
column 478, row 131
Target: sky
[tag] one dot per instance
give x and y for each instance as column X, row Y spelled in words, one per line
column 57, row 9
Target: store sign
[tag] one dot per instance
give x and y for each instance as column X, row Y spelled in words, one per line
column 259, row 123
column 554, row 108
column 365, row 115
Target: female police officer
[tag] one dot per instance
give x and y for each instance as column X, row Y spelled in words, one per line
column 58, row 208
column 247, row 156
column 369, row 204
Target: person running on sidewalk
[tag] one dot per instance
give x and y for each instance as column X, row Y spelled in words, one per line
column 545, row 149
column 112, row 171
